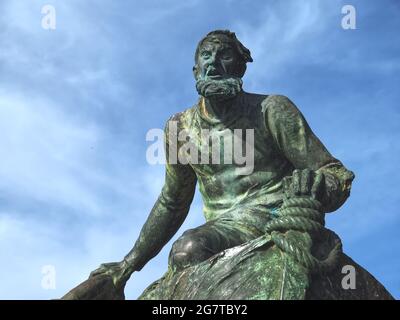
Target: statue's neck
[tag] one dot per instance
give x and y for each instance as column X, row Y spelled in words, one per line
column 218, row 110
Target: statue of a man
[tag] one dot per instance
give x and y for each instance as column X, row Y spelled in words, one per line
column 236, row 206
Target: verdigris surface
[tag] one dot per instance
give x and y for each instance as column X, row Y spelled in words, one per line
column 264, row 236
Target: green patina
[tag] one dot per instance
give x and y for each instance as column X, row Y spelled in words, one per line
column 265, row 225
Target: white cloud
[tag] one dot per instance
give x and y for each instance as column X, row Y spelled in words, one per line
column 286, row 29
column 43, row 152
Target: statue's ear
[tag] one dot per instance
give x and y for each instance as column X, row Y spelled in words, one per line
column 195, row 73
column 241, row 69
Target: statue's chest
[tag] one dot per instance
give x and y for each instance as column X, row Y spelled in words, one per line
column 214, row 149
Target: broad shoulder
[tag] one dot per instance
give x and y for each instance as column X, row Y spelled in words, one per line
column 183, row 118
column 276, row 103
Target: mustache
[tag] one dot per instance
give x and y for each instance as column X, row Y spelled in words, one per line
column 211, row 70
column 222, row 88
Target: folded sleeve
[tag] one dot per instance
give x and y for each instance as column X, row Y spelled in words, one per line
column 295, row 139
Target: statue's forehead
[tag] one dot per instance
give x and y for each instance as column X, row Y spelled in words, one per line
column 222, row 41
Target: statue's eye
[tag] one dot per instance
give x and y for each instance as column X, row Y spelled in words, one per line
column 226, row 56
column 205, row 54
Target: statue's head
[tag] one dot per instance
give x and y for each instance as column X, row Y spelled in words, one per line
column 220, row 63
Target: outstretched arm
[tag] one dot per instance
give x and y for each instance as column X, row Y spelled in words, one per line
column 304, row 150
column 167, row 215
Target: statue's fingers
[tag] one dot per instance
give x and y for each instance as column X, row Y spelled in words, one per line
column 317, row 185
column 286, row 185
column 95, row 273
column 305, row 183
column 101, row 270
column 296, row 181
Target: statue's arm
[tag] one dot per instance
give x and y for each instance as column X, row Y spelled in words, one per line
column 168, row 213
column 304, row 150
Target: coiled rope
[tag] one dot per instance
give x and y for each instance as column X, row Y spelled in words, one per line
column 302, row 214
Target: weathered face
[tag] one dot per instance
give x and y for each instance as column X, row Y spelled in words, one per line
column 216, row 60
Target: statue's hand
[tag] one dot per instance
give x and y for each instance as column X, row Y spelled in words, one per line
column 304, row 182
column 118, row 271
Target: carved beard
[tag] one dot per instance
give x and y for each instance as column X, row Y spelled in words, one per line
column 220, row 89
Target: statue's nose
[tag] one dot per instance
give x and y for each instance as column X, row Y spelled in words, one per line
column 211, row 59
column 213, row 64
column 211, row 70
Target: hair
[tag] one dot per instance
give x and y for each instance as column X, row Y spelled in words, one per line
column 243, row 53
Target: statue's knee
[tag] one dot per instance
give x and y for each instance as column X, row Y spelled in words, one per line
column 188, row 250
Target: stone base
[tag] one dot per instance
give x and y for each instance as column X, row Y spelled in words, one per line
column 259, row 270
column 96, row 288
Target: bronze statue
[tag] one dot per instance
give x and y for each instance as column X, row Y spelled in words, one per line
column 278, row 203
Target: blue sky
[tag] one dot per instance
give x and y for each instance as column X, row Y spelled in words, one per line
column 76, row 103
